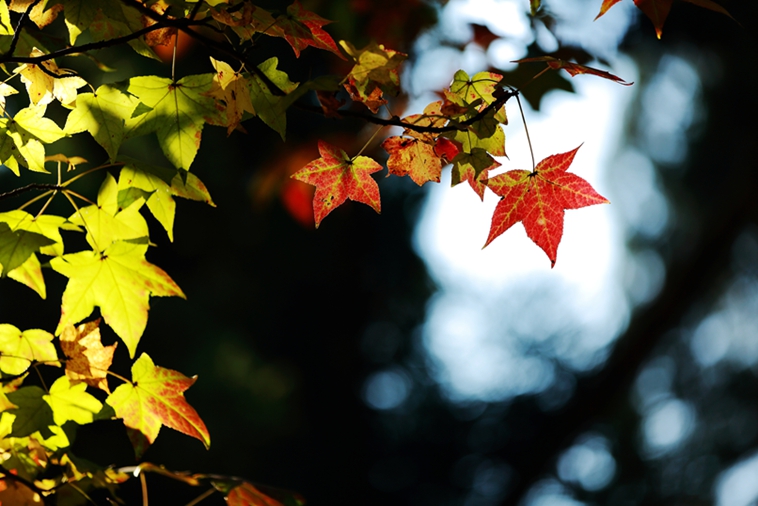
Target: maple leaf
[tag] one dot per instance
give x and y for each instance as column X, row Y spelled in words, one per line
column 231, row 88
column 26, row 134
column 103, row 114
column 375, row 72
column 88, row 360
column 5, row 91
column 302, row 28
column 658, row 10
column 43, row 87
column 71, row 402
column 538, row 200
column 473, row 167
column 33, row 414
column 338, row 178
column 245, row 494
column 39, row 14
column 158, row 185
column 420, row 155
column 574, row 69
column 106, row 223
column 19, row 349
column 269, row 106
column 16, row 246
column 155, row 398
column 117, row 19
column 120, row 281
column 176, row 112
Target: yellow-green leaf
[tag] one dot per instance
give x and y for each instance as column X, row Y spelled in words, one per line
column 103, row 114
column 17, row 245
column 119, row 281
column 19, row 349
column 176, row 112
column 72, row 402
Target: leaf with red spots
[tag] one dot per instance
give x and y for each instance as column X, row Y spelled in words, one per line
column 573, row 68
column 658, row 10
column 338, row 178
column 120, row 281
column 538, row 199
column 155, row 398
column 302, row 28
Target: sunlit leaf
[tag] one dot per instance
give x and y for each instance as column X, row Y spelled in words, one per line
column 119, row 281
column 19, row 349
column 156, row 398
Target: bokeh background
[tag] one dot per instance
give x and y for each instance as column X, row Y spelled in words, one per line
column 389, row 360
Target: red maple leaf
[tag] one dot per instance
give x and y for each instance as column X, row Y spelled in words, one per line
column 574, row 69
column 302, row 28
column 658, row 10
column 337, row 178
column 538, row 199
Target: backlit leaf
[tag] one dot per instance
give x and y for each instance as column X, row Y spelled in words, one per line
column 71, row 402
column 538, row 199
column 119, row 281
column 232, row 89
column 376, row 71
column 573, row 69
column 175, row 112
column 33, row 414
column 16, row 246
column 43, row 87
column 156, row 398
column 19, row 349
column 103, row 114
column 302, row 28
column 88, row 360
column 271, row 107
column 338, row 178
column 473, row 167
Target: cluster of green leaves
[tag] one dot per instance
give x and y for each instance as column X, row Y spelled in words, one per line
column 107, row 237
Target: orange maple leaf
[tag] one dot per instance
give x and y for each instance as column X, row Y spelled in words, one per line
column 337, row 178
column 538, row 199
column 574, row 69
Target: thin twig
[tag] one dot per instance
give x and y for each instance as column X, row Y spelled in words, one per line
column 29, row 187
column 20, row 26
column 202, row 496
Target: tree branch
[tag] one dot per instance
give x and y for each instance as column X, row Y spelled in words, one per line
column 29, row 187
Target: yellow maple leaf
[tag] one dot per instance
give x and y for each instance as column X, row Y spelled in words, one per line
column 43, row 86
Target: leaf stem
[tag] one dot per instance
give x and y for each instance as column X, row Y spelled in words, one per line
column 94, row 169
column 368, row 142
column 526, row 129
column 66, row 193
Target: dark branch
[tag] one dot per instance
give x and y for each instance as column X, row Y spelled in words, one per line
column 29, row 187
column 20, row 26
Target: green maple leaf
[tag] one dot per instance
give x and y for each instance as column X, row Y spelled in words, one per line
column 25, row 134
column 103, row 114
column 72, row 402
column 156, row 398
column 79, row 15
column 16, row 246
column 158, row 185
column 33, row 413
column 473, row 167
column 47, row 225
column 480, row 86
column 116, row 19
column 105, row 223
column 19, row 349
column 176, row 112
column 338, row 178
column 270, row 107
column 119, row 281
